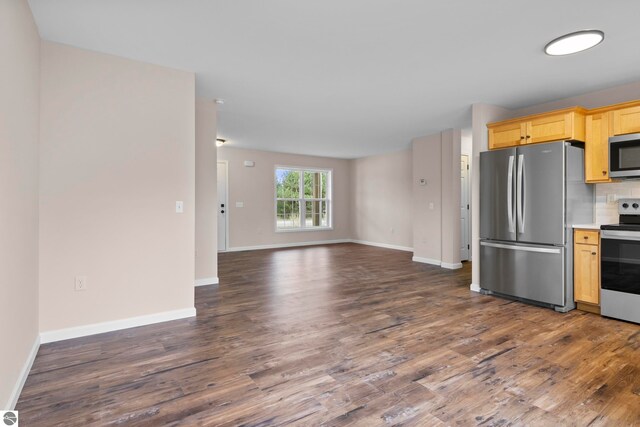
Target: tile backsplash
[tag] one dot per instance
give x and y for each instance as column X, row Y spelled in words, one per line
column 607, row 213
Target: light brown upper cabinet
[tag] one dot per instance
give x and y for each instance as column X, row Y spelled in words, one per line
column 626, row 120
column 596, row 156
column 507, row 135
column 593, row 127
column 558, row 125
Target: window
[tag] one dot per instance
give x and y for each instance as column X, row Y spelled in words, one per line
column 303, row 198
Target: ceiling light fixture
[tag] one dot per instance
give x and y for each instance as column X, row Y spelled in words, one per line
column 574, row 42
column 219, row 101
column 220, row 142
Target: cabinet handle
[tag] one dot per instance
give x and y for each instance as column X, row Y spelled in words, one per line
column 522, row 137
column 585, row 237
column 528, row 136
column 593, row 253
column 604, row 173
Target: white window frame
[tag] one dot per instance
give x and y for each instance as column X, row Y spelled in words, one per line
column 302, row 200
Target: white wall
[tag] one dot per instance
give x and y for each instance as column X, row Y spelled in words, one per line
column 599, row 98
column 436, row 205
column 117, row 151
column 466, row 144
column 19, row 128
column 427, row 199
column 451, row 145
column 466, row 149
column 381, row 199
column 254, row 224
column 206, row 237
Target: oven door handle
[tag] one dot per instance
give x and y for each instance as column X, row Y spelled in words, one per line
column 620, row 235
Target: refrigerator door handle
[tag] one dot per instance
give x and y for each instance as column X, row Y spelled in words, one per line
column 510, row 214
column 522, row 248
column 519, row 198
column 523, row 196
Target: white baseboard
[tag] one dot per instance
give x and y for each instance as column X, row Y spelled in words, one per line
column 24, row 373
column 383, row 245
column 286, row 245
column 431, row 261
column 475, row 288
column 206, row 281
column 319, row 242
column 115, row 325
column 451, row 266
column 427, row 260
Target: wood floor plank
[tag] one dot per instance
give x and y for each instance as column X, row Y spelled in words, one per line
column 343, row 335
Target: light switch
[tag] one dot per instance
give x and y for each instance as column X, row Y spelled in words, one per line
column 179, row 206
column 239, row 204
column 431, row 206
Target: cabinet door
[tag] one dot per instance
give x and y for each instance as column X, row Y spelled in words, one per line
column 550, row 128
column 586, row 273
column 626, row 120
column 507, row 135
column 596, row 148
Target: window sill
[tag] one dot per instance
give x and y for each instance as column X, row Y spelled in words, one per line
column 297, row 230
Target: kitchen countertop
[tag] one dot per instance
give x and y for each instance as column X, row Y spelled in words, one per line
column 587, row 226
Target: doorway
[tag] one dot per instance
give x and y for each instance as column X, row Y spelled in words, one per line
column 223, row 206
column 465, row 247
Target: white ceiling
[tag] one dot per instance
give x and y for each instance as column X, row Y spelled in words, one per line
column 349, row 78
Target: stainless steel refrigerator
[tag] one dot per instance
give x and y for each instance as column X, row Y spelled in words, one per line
column 529, row 198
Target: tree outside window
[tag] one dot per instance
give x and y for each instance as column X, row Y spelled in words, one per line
column 302, row 198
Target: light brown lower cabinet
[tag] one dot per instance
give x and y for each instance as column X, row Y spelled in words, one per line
column 586, row 269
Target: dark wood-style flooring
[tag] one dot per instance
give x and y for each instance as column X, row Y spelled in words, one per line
column 344, row 335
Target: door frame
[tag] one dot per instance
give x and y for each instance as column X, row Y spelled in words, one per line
column 226, row 204
column 469, row 222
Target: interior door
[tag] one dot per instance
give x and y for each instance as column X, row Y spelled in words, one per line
column 222, row 206
column 540, row 193
column 497, row 193
column 464, row 208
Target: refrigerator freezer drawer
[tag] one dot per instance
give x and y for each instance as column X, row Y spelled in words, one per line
column 524, row 271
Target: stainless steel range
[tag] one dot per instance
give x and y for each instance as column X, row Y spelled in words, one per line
column 620, row 264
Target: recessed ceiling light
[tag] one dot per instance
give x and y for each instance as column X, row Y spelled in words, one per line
column 574, row 42
column 219, row 101
column 220, row 142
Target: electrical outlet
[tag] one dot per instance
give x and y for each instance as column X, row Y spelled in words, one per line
column 81, row 283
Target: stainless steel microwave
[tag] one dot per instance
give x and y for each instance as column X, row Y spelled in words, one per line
column 624, row 156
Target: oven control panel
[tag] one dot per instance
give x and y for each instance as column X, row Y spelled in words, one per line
column 629, row 206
